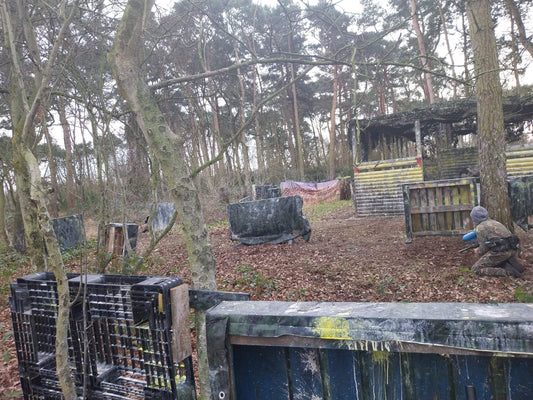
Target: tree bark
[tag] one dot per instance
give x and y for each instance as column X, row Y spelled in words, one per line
column 38, row 196
column 54, row 195
column 257, row 128
column 332, row 125
column 491, row 131
column 26, row 110
column 69, row 162
column 467, row 78
column 4, row 238
column 428, row 80
column 449, row 48
column 23, row 129
column 513, row 10
column 242, row 119
column 296, row 120
column 167, row 147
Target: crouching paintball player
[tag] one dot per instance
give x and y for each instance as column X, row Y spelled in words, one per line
column 498, row 247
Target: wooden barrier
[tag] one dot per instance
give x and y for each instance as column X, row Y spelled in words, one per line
column 439, row 207
column 378, row 185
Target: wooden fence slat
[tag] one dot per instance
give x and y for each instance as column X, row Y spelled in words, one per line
column 443, row 207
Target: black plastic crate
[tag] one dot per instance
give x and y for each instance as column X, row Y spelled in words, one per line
column 33, row 305
column 120, row 337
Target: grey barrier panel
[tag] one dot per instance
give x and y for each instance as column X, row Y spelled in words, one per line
column 266, row 191
column 521, row 199
column 70, row 231
column 274, row 220
column 163, row 215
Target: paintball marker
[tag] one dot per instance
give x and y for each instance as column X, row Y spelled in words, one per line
column 470, row 236
column 472, row 246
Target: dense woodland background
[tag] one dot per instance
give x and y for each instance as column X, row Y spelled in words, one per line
column 222, row 74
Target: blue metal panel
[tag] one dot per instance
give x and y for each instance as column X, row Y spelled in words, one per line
column 260, row 373
column 344, row 374
column 520, row 378
column 473, row 371
column 381, row 375
column 305, row 374
column 340, row 374
column 426, row 376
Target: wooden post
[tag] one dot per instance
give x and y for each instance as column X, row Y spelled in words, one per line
column 181, row 343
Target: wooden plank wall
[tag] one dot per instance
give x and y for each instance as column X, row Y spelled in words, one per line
column 439, row 207
column 378, row 185
column 519, row 161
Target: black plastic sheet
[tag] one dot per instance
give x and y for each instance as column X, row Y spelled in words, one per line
column 274, row 220
column 69, row 231
column 521, row 199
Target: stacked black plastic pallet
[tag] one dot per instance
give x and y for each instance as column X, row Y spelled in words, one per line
column 120, row 337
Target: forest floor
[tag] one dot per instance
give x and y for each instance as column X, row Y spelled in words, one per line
column 347, row 258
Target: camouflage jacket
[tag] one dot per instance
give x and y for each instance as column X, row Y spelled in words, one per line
column 488, row 230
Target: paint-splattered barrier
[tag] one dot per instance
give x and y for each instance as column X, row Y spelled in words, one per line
column 274, row 220
column 282, row 350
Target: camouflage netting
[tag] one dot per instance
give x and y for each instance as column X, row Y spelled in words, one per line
column 312, row 192
column 274, row 220
column 461, row 114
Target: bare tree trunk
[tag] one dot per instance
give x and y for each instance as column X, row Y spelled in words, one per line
column 448, row 47
column 34, row 207
column 428, row 80
column 23, row 132
column 296, row 121
column 257, row 128
column 125, row 62
column 38, row 195
column 333, row 125
column 54, row 198
column 390, row 89
column 515, row 56
column 513, row 10
column 103, row 212
column 467, row 77
column 4, row 238
column 242, row 119
column 18, row 240
column 491, row 131
column 69, row 161
column 290, row 137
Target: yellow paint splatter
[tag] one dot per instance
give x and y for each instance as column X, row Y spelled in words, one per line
column 332, row 328
column 381, row 358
